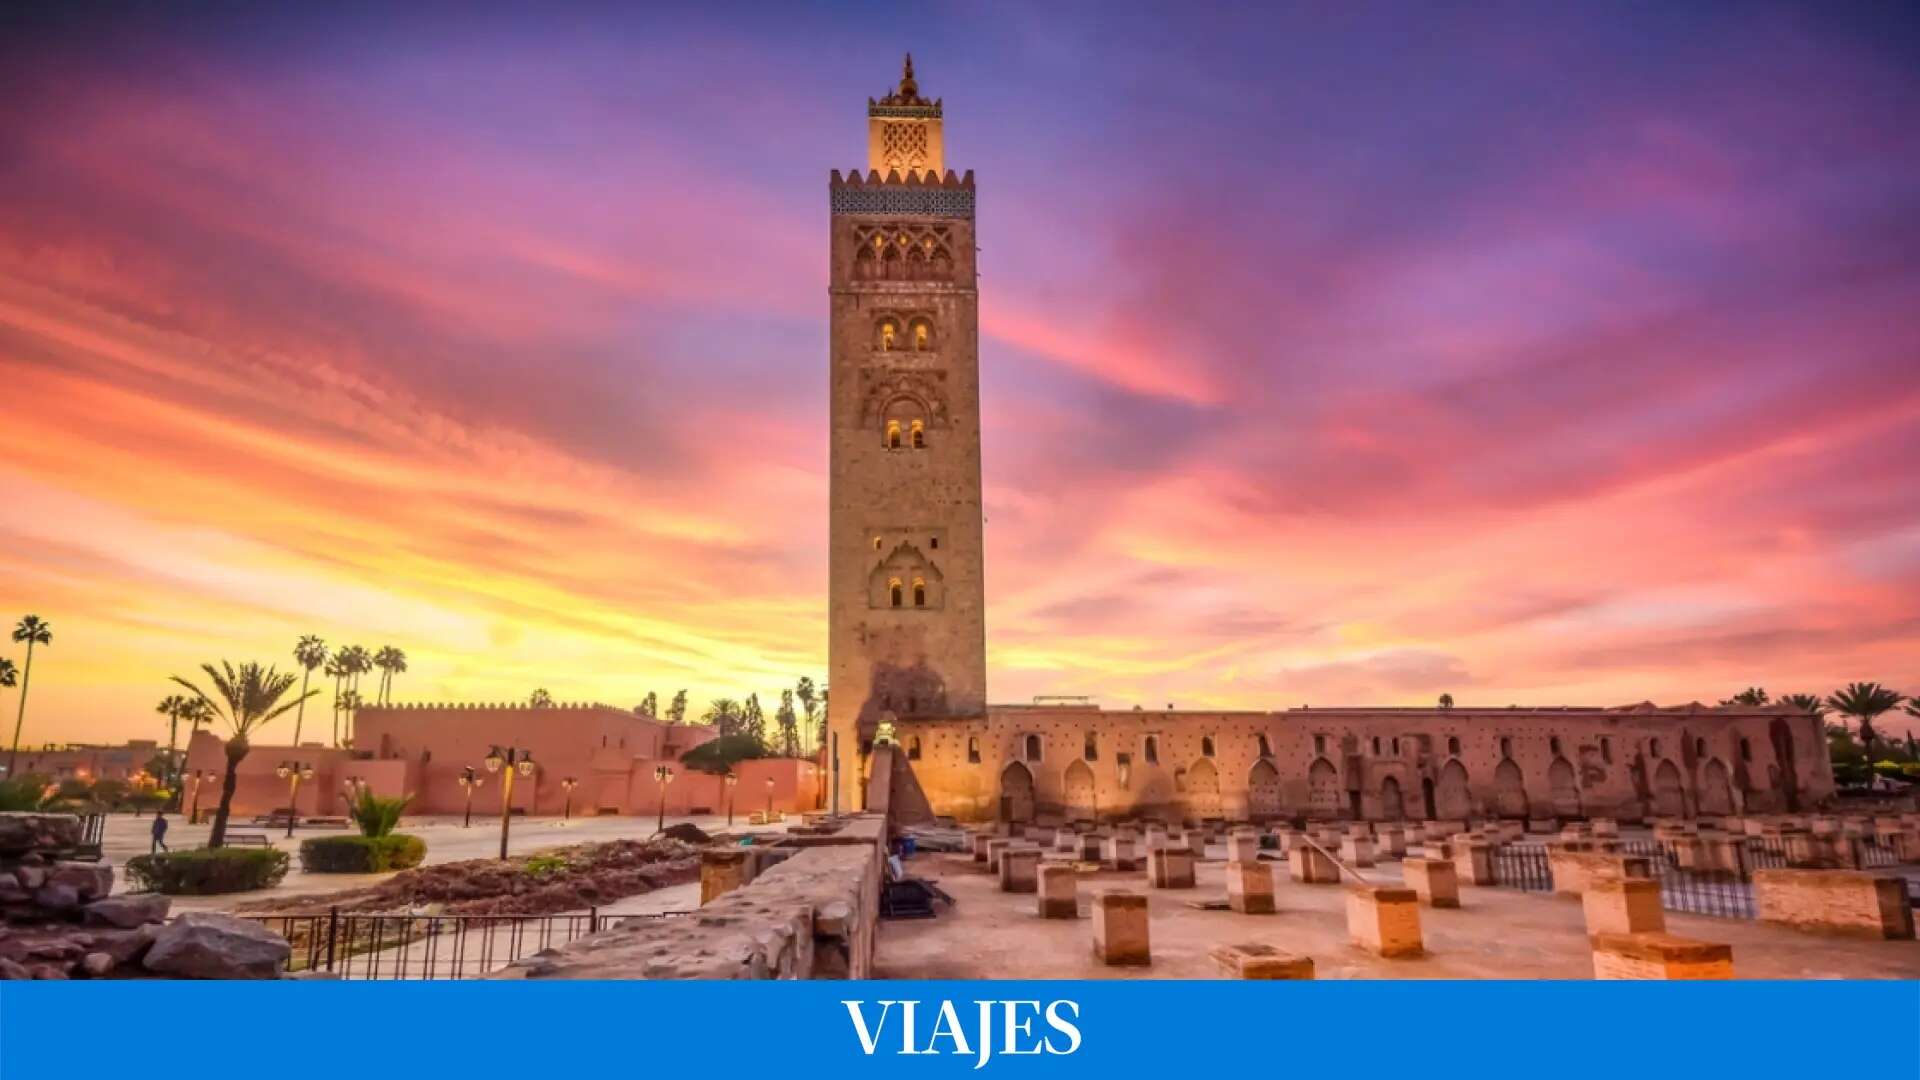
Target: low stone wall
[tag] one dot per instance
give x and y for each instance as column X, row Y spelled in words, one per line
column 810, row 916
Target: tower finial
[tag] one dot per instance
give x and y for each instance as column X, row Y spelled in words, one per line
column 908, row 88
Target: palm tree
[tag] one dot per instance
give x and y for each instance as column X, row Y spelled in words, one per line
column 248, row 698
column 175, row 708
column 310, row 652
column 540, row 699
column 1808, row 703
column 337, row 671
column 358, row 661
column 34, row 631
column 803, row 693
column 1752, row 695
column 349, row 703
column 391, row 662
column 1863, row 701
column 725, row 715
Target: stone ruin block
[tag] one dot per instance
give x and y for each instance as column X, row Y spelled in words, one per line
column 1473, row 861
column 1851, row 902
column 1196, row 843
column 1543, row 825
column 1120, row 928
column 1019, row 869
column 1384, row 920
column 1066, row 840
column 1170, row 868
column 1122, row 852
column 1243, row 845
column 1657, row 955
column 1250, row 887
column 1434, row 881
column 1311, row 866
column 1090, row 844
column 1059, row 886
column 1623, row 906
column 995, row 848
column 980, row 842
column 722, row 870
column 1256, row 961
column 1357, row 851
column 1573, row 869
column 1823, row 851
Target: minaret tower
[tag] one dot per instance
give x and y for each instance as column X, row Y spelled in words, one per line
column 907, row 629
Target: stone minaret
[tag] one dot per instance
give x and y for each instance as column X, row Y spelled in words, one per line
column 907, row 633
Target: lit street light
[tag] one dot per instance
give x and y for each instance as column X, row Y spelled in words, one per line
column 200, row 776
column 732, row 779
column 769, row 800
column 567, row 785
column 664, row 774
column 469, row 780
column 293, row 772
column 510, row 759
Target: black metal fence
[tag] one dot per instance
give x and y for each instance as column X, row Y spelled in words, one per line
column 359, row 945
column 1523, row 867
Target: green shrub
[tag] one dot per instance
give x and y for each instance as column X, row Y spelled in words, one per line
column 377, row 816
column 206, row 871
column 361, row 854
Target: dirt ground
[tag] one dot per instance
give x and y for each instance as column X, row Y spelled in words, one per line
column 1495, row 934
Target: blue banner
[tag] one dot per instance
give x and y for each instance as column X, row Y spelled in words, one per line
column 359, row 1031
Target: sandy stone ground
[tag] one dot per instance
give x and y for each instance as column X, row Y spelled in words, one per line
column 127, row 836
column 1495, row 934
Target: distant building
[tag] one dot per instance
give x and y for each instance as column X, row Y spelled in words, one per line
column 85, row 761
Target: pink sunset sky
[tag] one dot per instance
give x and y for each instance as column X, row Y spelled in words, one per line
column 1547, row 355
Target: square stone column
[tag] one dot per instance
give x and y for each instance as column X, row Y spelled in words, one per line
column 1170, row 868
column 1659, row 956
column 1090, row 847
column 1059, row 891
column 1473, row 861
column 722, row 870
column 1243, row 845
column 995, row 847
column 1393, row 841
column 980, row 842
column 1019, row 869
column 1196, row 843
column 1357, row 851
column 1606, row 827
column 1256, row 961
column 1623, row 906
column 1120, row 927
column 1121, row 851
column 1250, row 887
column 1856, row 903
column 1066, row 840
column 1434, row 881
column 1384, row 920
column 1311, row 866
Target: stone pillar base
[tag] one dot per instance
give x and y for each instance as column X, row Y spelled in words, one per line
column 1059, row 887
column 1019, row 869
column 1255, row 961
column 1857, row 903
column 1120, row 928
column 1170, row 868
column 1659, row 956
column 1384, row 920
column 1434, row 881
column 1623, row 906
column 1250, row 887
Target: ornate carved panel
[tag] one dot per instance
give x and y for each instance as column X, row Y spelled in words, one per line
column 903, row 251
column 883, row 389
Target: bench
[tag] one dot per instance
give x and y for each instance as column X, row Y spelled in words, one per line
column 248, row 839
column 323, row 822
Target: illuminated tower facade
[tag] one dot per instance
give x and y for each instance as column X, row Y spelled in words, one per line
column 907, row 629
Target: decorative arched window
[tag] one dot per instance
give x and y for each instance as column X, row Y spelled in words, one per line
column 1206, row 746
column 919, row 592
column 919, row 435
column 876, row 543
column 1553, row 745
column 1653, row 747
column 1266, row 748
column 1033, row 748
column 1746, row 750
column 894, row 591
column 1453, row 744
column 1506, row 747
column 889, row 335
column 913, row 748
column 1606, row 749
column 1396, row 746
column 973, row 750
column 1152, row 750
column 1700, row 748
column 1376, row 746
column 922, row 335
column 893, row 435
column 1091, row 751
column 1319, row 744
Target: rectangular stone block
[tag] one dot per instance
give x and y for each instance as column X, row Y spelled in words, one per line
column 1823, row 851
column 1122, row 853
column 1357, row 851
column 1090, row 844
column 1623, row 906
column 1250, row 887
column 1066, row 840
column 1170, row 868
column 1856, row 903
column 1059, row 891
column 995, row 847
column 1196, row 843
column 722, row 870
column 1243, row 845
column 1120, row 927
column 1656, row 955
column 1384, row 920
column 980, row 841
column 1434, row 881
column 1393, row 841
column 1473, row 861
column 1256, row 961
column 1311, row 866
column 1572, row 869
column 1019, row 869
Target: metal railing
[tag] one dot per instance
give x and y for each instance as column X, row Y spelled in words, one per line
column 362, row 945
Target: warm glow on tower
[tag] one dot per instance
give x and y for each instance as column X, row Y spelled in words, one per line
column 903, row 130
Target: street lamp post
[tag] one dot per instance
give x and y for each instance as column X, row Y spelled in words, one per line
column 664, row 774
column 567, row 785
column 506, row 760
column 469, row 780
column 199, row 777
column 732, row 779
column 293, row 772
column 769, row 800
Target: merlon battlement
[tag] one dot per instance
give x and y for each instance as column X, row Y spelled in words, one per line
column 920, row 179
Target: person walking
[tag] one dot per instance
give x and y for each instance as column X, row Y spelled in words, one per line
column 159, row 834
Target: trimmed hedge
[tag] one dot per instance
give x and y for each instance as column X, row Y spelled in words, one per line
column 207, row 871
column 361, row 854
